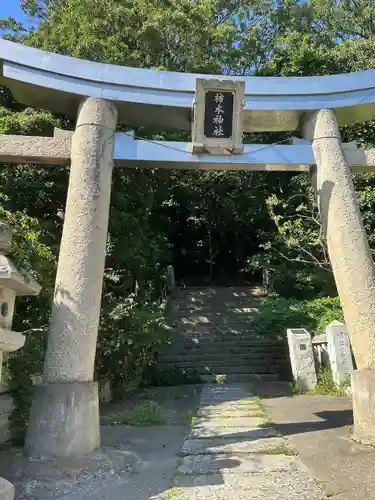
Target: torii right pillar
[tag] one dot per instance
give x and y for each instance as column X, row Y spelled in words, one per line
column 351, row 259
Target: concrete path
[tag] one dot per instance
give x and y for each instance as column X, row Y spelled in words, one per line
column 233, row 453
column 319, row 428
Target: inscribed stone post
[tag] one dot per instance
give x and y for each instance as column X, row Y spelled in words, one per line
column 339, row 352
column 302, row 358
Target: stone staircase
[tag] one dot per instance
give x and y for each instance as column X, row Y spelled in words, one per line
column 213, row 337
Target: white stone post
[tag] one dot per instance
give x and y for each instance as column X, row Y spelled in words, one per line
column 340, row 355
column 64, row 418
column 171, row 282
column 302, row 359
column 320, row 349
column 351, row 259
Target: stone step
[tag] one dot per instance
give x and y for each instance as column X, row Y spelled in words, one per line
column 171, row 356
column 228, row 346
column 223, row 326
column 212, row 318
column 203, row 369
column 214, row 333
column 241, row 378
column 215, row 290
column 211, row 337
column 213, row 314
column 260, row 344
column 234, row 296
column 235, row 310
column 239, row 358
column 219, row 310
column 220, row 304
column 203, row 362
column 218, row 328
column 281, row 372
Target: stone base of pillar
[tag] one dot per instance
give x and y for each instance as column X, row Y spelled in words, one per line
column 7, row 490
column 64, row 420
column 363, row 387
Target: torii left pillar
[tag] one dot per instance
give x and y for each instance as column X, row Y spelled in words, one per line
column 64, row 419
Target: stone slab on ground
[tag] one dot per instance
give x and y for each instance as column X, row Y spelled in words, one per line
column 319, row 428
column 226, row 420
column 218, row 445
column 211, row 431
column 237, row 464
column 232, row 411
column 211, row 395
column 289, row 485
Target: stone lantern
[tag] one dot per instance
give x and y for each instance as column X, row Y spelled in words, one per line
column 13, row 282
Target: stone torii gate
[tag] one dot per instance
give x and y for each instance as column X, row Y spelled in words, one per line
column 64, row 417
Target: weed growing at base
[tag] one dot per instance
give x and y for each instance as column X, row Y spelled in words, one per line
column 145, row 414
column 326, row 386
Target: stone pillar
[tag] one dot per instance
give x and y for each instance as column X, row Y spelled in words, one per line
column 301, row 359
column 64, row 418
column 7, row 490
column 340, row 355
column 349, row 253
column 171, row 282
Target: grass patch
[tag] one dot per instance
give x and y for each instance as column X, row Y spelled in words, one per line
column 250, row 399
column 172, row 494
column 326, row 386
column 190, row 417
column 259, row 403
column 220, row 379
column 283, row 449
column 267, row 423
column 145, row 414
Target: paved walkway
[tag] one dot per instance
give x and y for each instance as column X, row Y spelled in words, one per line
column 233, row 453
column 319, row 428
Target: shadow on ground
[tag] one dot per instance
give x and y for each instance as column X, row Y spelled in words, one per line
column 134, row 463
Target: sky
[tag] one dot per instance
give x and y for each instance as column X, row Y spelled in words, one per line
column 12, row 8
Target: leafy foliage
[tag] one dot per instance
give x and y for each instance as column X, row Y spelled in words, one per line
column 277, row 314
column 130, row 336
column 326, row 386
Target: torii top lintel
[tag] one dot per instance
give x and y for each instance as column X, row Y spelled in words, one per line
column 151, row 98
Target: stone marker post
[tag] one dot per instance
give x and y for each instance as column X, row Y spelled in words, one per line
column 302, row 358
column 171, row 282
column 64, row 419
column 351, row 259
column 340, row 355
